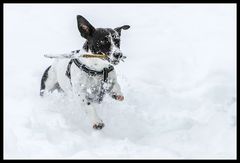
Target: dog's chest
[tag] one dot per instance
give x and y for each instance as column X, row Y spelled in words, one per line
column 93, row 86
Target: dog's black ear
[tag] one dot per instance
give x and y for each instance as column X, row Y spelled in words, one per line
column 84, row 27
column 119, row 29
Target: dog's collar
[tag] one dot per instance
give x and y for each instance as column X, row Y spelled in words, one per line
column 91, row 72
column 88, row 70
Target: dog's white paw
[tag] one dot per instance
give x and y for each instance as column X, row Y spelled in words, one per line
column 98, row 125
column 118, row 97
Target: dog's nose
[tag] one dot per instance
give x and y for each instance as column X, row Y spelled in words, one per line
column 117, row 55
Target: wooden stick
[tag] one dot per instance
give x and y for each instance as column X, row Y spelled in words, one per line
column 102, row 56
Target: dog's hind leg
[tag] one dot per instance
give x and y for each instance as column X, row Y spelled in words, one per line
column 49, row 81
column 57, row 86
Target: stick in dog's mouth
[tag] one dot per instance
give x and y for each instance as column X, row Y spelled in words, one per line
column 62, row 56
column 74, row 56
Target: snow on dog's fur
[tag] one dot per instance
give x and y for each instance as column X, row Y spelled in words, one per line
column 69, row 76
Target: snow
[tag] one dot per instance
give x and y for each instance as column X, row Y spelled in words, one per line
column 179, row 82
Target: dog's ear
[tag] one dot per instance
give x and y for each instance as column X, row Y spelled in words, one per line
column 119, row 29
column 84, row 27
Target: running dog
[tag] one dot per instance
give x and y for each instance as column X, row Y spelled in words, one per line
column 89, row 79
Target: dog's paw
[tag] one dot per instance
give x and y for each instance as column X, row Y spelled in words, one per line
column 98, row 126
column 118, row 97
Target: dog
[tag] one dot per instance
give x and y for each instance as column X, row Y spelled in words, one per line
column 89, row 79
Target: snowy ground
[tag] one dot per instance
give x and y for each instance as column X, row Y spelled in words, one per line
column 179, row 82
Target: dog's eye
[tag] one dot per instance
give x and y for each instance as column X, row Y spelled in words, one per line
column 115, row 37
column 104, row 41
column 117, row 42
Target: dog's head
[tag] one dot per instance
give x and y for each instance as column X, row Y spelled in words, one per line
column 102, row 40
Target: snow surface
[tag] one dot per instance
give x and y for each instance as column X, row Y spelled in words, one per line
column 179, row 82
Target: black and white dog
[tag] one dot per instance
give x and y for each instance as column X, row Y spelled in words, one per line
column 89, row 79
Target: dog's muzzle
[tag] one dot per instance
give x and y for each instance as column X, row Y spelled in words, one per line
column 117, row 57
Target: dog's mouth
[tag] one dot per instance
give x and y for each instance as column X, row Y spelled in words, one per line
column 116, row 61
column 112, row 60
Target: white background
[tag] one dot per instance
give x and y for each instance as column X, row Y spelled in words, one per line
column 179, row 82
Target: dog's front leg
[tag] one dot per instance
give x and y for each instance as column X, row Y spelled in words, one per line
column 89, row 108
column 116, row 92
column 93, row 117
